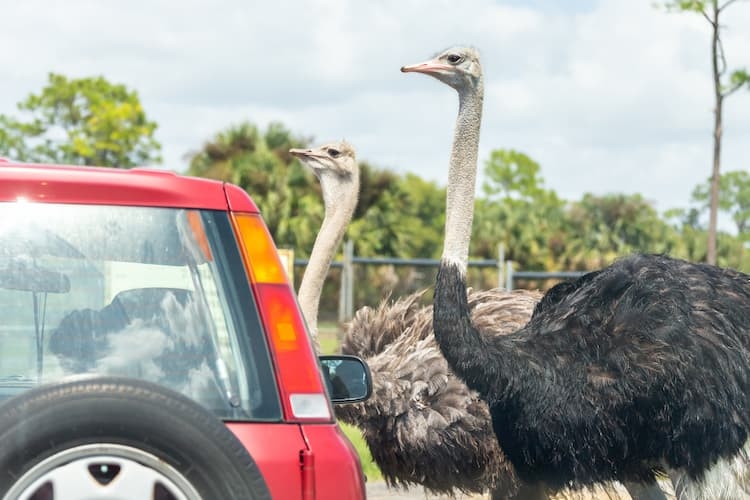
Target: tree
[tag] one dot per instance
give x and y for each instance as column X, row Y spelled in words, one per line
column 86, row 121
column 734, row 199
column 512, row 174
column 260, row 163
column 600, row 228
column 397, row 216
column 723, row 88
column 518, row 211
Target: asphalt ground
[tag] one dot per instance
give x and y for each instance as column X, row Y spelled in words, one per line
column 378, row 490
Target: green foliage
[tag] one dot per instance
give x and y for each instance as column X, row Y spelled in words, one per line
column 371, row 227
column 401, row 216
column 711, row 12
column 395, row 215
column 734, row 199
column 404, row 215
column 686, row 5
column 86, row 121
column 511, row 174
column 739, row 78
column 285, row 192
column 517, row 211
column 601, row 228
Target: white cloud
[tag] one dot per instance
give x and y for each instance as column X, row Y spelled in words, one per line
column 608, row 95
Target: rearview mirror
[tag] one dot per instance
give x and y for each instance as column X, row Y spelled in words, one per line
column 347, row 377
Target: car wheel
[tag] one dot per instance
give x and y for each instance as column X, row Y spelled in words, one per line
column 117, row 438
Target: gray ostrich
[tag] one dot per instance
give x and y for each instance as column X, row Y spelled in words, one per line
column 633, row 369
column 422, row 424
column 335, row 166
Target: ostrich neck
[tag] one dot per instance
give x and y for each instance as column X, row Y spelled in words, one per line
column 326, row 243
column 461, row 344
column 462, row 174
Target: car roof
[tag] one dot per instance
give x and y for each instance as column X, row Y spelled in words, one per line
column 112, row 186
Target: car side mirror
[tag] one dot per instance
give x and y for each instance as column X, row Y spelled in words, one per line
column 347, row 377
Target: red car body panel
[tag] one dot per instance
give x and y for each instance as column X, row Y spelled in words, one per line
column 330, row 448
column 272, row 446
column 276, row 448
column 238, row 200
column 285, row 452
column 140, row 186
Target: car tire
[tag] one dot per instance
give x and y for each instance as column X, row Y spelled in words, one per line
column 113, row 425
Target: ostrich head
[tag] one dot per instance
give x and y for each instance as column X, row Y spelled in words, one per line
column 335, row 166
column 458, row 67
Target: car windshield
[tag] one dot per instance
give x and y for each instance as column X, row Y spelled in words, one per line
column 150, row 293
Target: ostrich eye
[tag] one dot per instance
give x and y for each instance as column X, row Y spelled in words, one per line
column 454, row 58
column 335, row 153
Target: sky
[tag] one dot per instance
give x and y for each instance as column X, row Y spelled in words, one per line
column 608, row 96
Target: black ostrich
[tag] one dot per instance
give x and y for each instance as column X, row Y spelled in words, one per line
column 640, row 367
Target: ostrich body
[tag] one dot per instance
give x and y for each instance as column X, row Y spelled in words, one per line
column 422, row 424
column 335, row 166
column 636, row 368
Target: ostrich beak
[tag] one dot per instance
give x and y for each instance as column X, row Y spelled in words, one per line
column 309, row 157
column 300, row 153
column 427, row 67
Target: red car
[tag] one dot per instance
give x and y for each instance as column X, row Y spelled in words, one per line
column 151, row 346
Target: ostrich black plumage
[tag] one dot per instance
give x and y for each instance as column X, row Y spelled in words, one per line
column 639, row 367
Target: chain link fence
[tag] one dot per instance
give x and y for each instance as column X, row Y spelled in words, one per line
column 355, row 281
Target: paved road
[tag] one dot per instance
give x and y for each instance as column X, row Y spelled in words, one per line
column 378, row 490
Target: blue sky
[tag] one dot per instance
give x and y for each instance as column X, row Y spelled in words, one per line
column 607, row 95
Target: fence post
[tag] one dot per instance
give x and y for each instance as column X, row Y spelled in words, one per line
column 346, row 291
column 350, row 279
column 500, row 263
column 509, row 275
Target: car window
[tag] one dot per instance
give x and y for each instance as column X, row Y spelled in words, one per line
column 152, row 293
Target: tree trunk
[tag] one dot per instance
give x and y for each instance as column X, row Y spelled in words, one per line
column 719, row 97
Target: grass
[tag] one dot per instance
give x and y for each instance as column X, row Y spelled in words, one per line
column 329, row 343
column 328, row 336
column 371, row 470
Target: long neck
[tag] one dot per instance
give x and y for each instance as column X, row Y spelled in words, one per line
column 326, row 243
column 462, row 174
column 466, row 351
column 454, row 331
